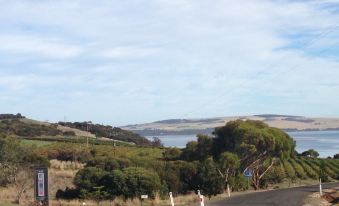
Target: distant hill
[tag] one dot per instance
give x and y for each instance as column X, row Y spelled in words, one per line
column 206, row 126
column 18, row 125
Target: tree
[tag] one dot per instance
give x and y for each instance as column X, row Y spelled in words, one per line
column 190, row 151
column 198, row 150
column 157, row 142
column 256, row 144
column 228, row 164
column 141, row 181
column 207, row 178
column 336, row 156
column 205, row 144
column 87, row 179
column 310, row 153
column 114, row 184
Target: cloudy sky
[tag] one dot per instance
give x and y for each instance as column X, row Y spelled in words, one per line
column 132, row 61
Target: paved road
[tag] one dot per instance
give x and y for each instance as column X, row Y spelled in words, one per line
column 283, row 197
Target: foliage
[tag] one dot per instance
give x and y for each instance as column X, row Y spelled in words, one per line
column 15, row 158
column 322, row 172
column 309, row 171
column 11, row 116
column 25, row 129
column 310, row 153
column 172, row 153
column 298, row 169
column 108, row 163
column 66, row 152
column 289, row 170
column 109, row 132
column 255, row 143
column 208, row 179
column 157, row 142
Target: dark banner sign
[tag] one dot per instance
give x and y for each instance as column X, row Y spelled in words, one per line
column 41, row 185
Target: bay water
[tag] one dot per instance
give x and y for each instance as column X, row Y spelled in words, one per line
column 325, row 142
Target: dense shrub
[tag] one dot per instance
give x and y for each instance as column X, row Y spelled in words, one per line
column 108, row 163
column 276, row 174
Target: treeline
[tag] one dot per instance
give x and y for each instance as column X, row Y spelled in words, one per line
column 11, row 116
column 24, row 129
column 108, row 131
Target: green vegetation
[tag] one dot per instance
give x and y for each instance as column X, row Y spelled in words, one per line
column 24, row 129
column 108, row 131
column 210, row 164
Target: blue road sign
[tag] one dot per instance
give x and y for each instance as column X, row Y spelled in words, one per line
column 248, row 173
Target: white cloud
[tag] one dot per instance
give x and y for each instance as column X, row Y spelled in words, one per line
column 127, row 52
column 163, row 58
column 29, row 45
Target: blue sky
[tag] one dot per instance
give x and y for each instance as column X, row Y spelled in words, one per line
column 126, row 62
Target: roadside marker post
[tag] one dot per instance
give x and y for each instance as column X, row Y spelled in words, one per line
column 171, row 198
column 201, row 199
column 320, row 188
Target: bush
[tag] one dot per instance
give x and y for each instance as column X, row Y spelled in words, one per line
column 108, row 163
column 69, row 134
column 276, row 174
column 239, row 183
column 172, row 154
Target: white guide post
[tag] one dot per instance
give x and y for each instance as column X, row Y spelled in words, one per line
column 228, row 190
column 171, row 197
column 320, row 188
column 202, row 201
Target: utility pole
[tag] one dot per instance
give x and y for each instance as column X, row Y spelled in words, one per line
column 114, row 145
column 87, row 134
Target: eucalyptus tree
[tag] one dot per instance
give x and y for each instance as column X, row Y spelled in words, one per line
column 256, row 144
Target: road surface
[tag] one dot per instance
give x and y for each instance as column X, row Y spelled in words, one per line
column 283, row 197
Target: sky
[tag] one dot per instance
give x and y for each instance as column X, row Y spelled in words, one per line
column 136, row 61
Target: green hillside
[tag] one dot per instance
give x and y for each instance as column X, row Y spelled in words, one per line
column 20, row 126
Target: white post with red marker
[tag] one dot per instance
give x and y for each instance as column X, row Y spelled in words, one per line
column 201, row 199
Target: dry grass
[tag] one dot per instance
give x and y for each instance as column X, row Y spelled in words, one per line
column 66, row 165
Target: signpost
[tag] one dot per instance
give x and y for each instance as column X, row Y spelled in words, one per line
column 248, row 173
column 143, row 197
column 41, row 186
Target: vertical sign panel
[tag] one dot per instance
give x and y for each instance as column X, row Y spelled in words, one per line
column 41, row 185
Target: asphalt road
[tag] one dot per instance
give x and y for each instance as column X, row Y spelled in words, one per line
column 282, row 197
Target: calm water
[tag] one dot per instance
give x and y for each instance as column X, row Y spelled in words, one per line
column 325, row 142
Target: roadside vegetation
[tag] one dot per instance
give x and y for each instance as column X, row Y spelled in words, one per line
column 119, row 174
